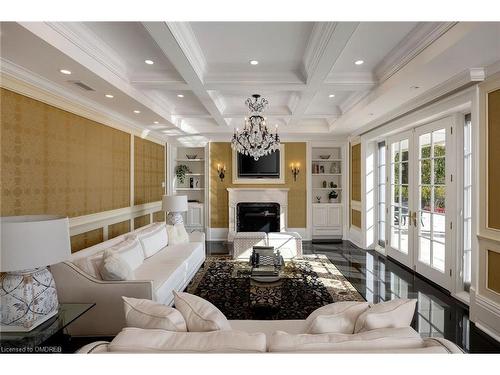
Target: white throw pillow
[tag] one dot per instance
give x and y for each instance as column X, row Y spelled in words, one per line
column 144, row 313
column 177, row 234
column 153, row 242
column 131, row 252
column 199, row 314
column 113, row 267
column 338, row 317
column 391, row 314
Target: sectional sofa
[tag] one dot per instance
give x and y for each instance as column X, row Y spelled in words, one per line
column 197, row 326
column 159, row 266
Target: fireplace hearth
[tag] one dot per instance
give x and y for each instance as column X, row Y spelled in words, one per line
column 257, row 217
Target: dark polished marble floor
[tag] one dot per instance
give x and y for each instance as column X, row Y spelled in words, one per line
column 378, row 278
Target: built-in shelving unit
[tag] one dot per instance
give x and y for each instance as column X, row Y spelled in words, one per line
column 327, row 175
column 194, row 185
column 327, row 171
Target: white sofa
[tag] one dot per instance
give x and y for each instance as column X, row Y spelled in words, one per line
column 275, row 336
column 171, row 268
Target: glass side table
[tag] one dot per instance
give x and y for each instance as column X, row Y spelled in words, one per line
column 49, row 337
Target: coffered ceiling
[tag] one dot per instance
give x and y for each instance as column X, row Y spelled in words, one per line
column 201, row 72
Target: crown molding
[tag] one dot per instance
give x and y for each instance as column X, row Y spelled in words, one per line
column 185, row 37
column 352, row 100
column 25, row 82
column 86, row 40
column 418, row 39
column 321, row 34
column 456, row 83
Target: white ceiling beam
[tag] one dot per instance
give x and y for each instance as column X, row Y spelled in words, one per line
column 186, row 60
column 325, row 45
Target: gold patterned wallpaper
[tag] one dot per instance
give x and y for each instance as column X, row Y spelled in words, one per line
column 56, row 162
column 493, row 159
column 295, row 152
column 149, row 171
column 87, row 239
column 117, row 229
column 355, row 182
column 141, row 221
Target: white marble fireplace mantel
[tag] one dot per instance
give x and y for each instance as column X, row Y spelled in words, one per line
column 258, row 195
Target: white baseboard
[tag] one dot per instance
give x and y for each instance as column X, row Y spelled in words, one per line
column 302, row 231
column 485, row 314
column 217, row 234
column 355, row 237
column 220, row 234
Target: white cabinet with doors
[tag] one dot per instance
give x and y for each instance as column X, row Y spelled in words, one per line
column 327, row 219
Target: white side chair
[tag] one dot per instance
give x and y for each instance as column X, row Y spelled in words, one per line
column 288, row 243
column 244, row 242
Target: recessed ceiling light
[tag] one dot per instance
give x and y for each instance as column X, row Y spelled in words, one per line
column 149, row 62
column 331, row 96
column 180, row 95
column 358, row 62
column 254, row 62
column 65, row 71
column 109, row 96
column 155, row 122
column 137, row 111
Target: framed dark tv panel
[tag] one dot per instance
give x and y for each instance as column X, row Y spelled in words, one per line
column 265, row 167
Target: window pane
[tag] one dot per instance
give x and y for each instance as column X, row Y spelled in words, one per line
column 395, row 173
column 404, row 240
column 425, row 224
column 439, row 171
column 425, row 146
column 438, row 227
column 425, row 172
column 425, row 198
column 395, row 152
column 404, row 150
column 439, row 199
column 425, row 250
column 395, row 194
column 395, row 237
column 438, row 256
column 404, row 173
column 395, row 215
column 439, row 141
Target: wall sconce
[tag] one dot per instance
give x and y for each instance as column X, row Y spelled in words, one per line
column 221, row 171
column 295, row 170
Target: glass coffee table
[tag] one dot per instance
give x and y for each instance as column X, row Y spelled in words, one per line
column 48, row 337
column 266, row 278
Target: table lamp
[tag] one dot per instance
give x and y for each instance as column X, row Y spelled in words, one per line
column 28, row 292
column 174, row 205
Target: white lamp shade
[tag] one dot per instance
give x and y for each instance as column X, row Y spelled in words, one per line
column 29, row 242
column 175, row 203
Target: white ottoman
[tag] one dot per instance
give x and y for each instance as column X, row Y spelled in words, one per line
column 288, row 243
column 244, row 242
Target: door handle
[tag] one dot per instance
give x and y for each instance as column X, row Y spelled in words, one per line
column 414, row 215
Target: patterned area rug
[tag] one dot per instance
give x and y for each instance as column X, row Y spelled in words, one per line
column 307, row 284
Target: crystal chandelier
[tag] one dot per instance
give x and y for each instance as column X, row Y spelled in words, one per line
column 255, row 139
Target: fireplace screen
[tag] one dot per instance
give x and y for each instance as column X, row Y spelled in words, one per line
column 258, row 217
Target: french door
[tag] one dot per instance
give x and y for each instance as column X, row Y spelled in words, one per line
column 420, row 190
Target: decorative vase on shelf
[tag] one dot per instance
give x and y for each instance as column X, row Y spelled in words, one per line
column 324, row 184
column 318, row 199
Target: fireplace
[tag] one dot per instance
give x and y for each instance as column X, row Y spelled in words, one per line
column 277, row 197
column 257, row 217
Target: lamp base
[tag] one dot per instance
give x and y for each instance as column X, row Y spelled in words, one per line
column 28, row 298
column 174, row 218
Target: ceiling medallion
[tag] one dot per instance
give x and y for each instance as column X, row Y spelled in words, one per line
column 255, row 139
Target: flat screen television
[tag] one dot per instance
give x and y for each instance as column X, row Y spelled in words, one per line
column 266, row 167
